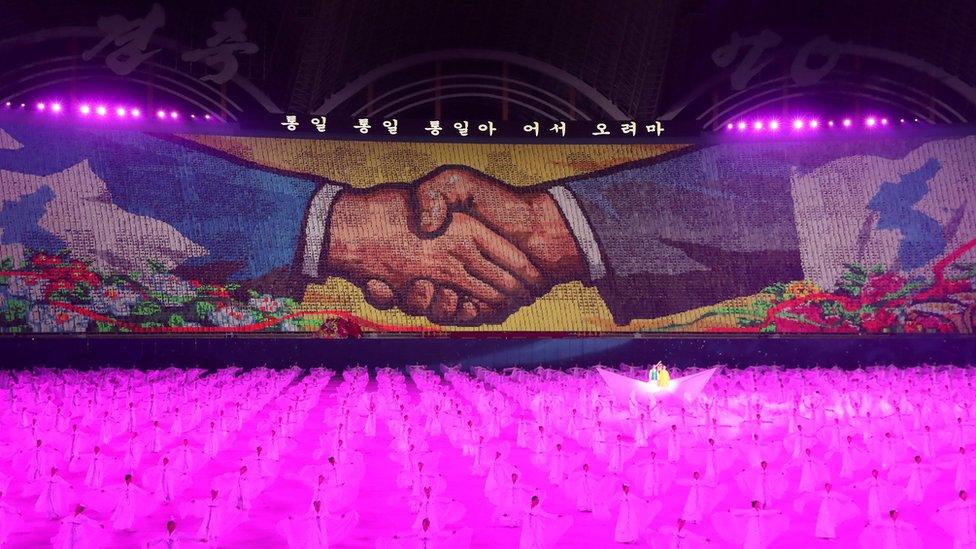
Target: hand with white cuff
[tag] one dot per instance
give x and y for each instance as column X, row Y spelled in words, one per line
column 457, row 247
column 464, row 273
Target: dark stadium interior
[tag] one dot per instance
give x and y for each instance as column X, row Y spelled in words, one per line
column 487, row 273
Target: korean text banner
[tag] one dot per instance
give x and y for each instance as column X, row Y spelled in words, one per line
column 105, row 231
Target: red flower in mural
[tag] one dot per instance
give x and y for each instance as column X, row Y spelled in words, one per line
column 957, row 286
column 144, row 302
column 841, row 327
column 916, row 323
column 58, row 285
column 811, row 319
column 810, row 311
column 45, row 260
column 879, row 286
column 941, row 289
column 64, row 277
column 879, row 321
column 79, row 272
column 796, row 326
column 818, row 313
column 347, row 328
column 219, row 291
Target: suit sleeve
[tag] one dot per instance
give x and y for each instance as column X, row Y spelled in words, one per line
column 257, row 225
column 688, row 229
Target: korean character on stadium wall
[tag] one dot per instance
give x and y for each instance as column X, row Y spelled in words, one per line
column 120, row 231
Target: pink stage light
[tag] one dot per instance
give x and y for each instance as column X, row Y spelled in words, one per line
column 801, row 123
column 41, row 106
column 85, row 109
column 56, row 107
column 101, row 110
column 174, row 115
column 207, row 116
column 120, row 111
column 160, row 114
column 136, row 113
column 8, row 103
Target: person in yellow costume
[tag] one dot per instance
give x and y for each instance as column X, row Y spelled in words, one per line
column 663, row 377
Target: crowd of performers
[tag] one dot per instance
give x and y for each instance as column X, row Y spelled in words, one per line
column 93, row 453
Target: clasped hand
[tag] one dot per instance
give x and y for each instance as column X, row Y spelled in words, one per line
column 457, row 246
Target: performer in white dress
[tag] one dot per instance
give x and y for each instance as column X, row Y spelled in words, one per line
column 540, row 529
column 834, row 509
column 317, row 529
column 891, row 533
column 679, row 537
column 958, row 519
column 52, row 500
column 633, row 516
column 169, row 540
column 752, row 528
column 79, row 532
column 11, row 520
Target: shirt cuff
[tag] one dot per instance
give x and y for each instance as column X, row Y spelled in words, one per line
column 316, row 224
column 581, row 230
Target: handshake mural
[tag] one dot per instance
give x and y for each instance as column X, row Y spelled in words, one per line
column 457, row 246
column 655, row 236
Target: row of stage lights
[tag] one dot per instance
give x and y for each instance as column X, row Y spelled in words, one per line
column 801, row 124
column 99, row 110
